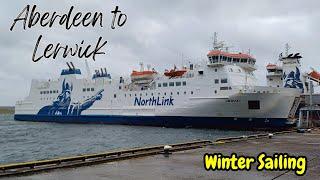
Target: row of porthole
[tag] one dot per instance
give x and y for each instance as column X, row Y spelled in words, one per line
column 152, row 94
column 49, row 92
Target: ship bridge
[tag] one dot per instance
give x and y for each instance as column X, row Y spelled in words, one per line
column 221, row 58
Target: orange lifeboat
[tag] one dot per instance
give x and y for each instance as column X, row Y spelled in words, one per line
column 315, row 75
column 175, row 73
column 143, row 75
column 271, row 66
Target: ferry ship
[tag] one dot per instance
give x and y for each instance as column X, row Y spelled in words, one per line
column 220, row 93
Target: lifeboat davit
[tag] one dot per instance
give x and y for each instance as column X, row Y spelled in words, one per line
column 143, row 75
column 175, row 72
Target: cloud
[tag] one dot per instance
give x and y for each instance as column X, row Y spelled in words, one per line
column 158, row 33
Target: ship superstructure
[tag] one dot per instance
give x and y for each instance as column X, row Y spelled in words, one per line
column 219, row 93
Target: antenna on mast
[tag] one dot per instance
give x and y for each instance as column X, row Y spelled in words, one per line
column 287, row 47
column 217, row 45
column 87, row 68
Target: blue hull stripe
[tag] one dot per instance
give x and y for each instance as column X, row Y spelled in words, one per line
column 165, row 121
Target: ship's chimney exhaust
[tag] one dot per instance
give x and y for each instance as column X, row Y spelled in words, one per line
column 72, row 66
column 69, row 66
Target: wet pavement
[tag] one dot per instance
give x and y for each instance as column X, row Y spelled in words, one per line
column 189, row 164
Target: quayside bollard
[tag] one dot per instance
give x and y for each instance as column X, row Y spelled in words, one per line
column 167, row 150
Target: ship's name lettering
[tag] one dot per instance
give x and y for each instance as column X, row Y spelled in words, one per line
column 153, row 101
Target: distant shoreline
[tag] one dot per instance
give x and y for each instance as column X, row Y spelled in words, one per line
column 6, row 109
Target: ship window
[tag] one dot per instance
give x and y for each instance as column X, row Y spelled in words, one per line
column 178, row 83
column 243, row 60
column 88, row 89
column 184, row 83
column 229, row 59
column 57, row 91
column 236, row 60
column 254, row 104
column 271, row 79
column 92, row 89
column 215, row 70
column 230, row 88
column 40, row 92
column 125, row 95
column 84, row 89
column 159, row 84
column 224, row 88
column 165, row 84
column 216, row 81
column 171, row 83
column 115, row 95
column 224, row 80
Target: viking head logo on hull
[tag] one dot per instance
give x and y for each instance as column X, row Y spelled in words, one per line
column 63, row 106
column 292, row 80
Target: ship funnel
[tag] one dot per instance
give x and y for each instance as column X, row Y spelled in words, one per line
column 69, row 66
column 101, row 71
column 72, row 66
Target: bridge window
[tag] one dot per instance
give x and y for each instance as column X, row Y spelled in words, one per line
column 178, row 83
column 159, row 84
column 92, row 89
column 84, row 89
column 171, row 83
column 216, row 81
column 224, row 81
column 165, row 84
column 236, row 60
column 244, row 60
column 229, row 59
column 184, row 83
column 88, row 89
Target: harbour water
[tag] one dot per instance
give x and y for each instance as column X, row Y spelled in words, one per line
column 24, row 141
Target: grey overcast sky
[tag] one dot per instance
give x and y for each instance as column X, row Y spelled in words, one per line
column 157, row 33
